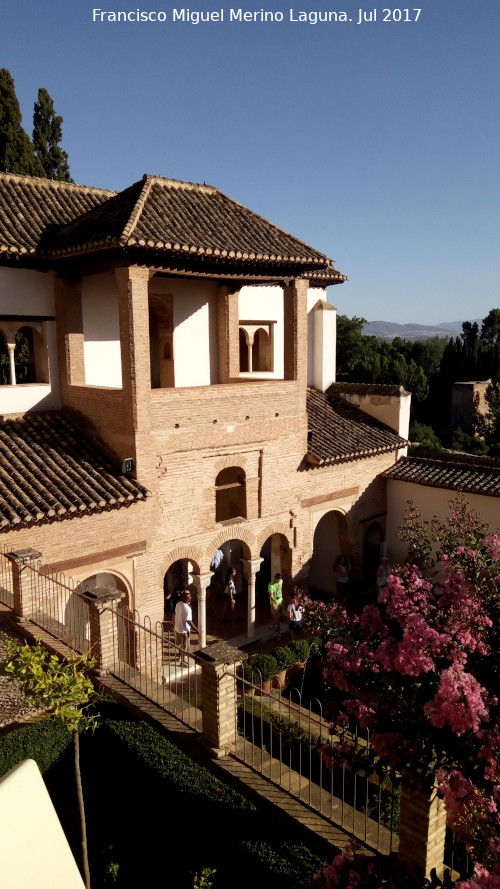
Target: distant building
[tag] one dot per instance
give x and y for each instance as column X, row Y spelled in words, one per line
column 469, row 405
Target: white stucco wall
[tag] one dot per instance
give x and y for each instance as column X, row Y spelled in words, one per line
column 35, row 851
column 430, row 501
column 24, row 292
column 101, row 331
column 195, row 334
column 266, row 304
column 392, row 410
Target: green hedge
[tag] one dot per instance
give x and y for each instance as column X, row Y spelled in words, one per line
column 155, row 817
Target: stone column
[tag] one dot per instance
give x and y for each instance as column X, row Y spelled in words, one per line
column 103, row 625
column 422, row 829
column 219, row 663
column 21, row 559
column 201, row 582
column 250, row 567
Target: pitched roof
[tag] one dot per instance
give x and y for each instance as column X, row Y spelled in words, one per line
column 455, row 472
column 340, row 432
column 50, row 470
column 176, row 220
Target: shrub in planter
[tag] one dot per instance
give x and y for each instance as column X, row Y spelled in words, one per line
column 300, row 649
column 285, row 658
column 266, row 664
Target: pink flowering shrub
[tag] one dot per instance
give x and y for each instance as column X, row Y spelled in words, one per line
column 421, row 672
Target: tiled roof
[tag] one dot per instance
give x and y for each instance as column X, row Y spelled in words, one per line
column 50, row 470
column 340, row 432
column 455, row 472
column 30, row 206
column 177, row 220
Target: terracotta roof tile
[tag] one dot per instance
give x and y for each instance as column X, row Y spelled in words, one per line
column 340, row 432
column 159, row 216
column 455, row 472
column 49, row 469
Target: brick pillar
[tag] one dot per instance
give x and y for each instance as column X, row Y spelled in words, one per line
column 422, row 829
column 250, row 567
column 201, row 582
column 19, row 560
column 133, row 307
column 68, row 303
column 218, row 688
column 103, row 625
column 295, row 332
column 228, row 340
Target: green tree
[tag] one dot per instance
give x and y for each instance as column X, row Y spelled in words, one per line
column 16, row 149
column 425, row 435
column 350, row 342
column 47, row 134
column 490, row 328
column 65, row 691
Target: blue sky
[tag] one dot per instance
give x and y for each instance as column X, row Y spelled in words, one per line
column 376, row 143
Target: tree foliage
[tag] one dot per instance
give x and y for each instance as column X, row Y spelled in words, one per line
column 16, row 150
column 47, row 134
column 18, row 154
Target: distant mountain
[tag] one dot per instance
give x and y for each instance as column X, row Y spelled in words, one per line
column 387, row 330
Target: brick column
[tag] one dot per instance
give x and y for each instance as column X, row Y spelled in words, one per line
column 228, row 340
column 19, row 560
column 250, row 567
column 68, row 304
column 295, row 332
column 218, row 688
column 422, row 828
column 103, row 626
column 201, row 582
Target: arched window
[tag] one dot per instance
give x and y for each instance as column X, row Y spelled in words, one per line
column 230, row 495
column 243, row 352
column 4, row 362
column 261, row 351
column 24, row 356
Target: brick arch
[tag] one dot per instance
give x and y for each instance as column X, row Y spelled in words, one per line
column 282, row 528
column 194, row 555
column 234, row 532
column 231, row 460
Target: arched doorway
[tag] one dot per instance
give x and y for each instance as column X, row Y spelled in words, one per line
column 372, row 554
column 126, row 648
column 177, row 577
column 330, row 539
column 277, row 559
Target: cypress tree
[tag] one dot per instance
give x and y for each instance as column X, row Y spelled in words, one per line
column 47, row 134
column 16, row 149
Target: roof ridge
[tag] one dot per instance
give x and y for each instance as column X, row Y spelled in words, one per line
column 183, row 183
column 57, row 183
column 137, row 209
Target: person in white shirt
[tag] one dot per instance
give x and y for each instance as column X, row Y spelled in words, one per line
column 184, row 625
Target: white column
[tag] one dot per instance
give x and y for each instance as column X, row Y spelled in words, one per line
column 251, row 566
column 12, row 348
column 201, row 581
column 324, row 349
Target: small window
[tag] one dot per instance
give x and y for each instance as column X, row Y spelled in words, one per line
column 230, row 495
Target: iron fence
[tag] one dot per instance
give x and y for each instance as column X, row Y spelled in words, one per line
column 278, row 736
column 147, row 659
column 6, row 580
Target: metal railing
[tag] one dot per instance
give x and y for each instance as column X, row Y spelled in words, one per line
column 147, row 659
column 6, row 580
column 282, row 739
column 51, row 600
